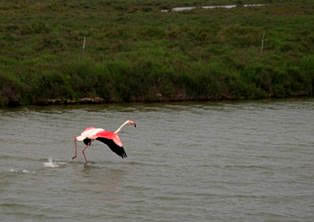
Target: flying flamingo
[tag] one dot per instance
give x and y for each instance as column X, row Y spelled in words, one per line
column 110, row 138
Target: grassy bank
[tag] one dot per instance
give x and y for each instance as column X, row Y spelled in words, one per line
column 134, row 52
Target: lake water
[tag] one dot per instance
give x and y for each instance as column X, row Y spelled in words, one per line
column 251, row 161
column 189, row 8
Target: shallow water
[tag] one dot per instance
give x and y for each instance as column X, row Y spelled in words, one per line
column 249, row 161
column 181, row 9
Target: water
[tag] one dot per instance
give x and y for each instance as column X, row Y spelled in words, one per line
column 181, row 9
column 249, row 161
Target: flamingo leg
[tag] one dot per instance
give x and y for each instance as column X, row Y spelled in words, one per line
column 83, row 152
column 75, row 149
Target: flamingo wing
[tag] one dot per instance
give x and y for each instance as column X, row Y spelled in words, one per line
column 88, row 133
column 113, row 141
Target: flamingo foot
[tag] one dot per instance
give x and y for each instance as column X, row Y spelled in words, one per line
column 74, row 157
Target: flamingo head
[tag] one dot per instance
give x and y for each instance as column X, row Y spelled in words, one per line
column 131, row 123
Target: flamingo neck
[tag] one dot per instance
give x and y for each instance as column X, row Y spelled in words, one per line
column 120, row 128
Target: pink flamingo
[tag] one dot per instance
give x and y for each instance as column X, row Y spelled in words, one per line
column 110, row 138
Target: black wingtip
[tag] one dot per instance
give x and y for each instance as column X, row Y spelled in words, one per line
column 122, row 153
column 124, row 156
column 119, row 150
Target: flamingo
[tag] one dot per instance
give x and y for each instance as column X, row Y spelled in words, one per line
column 109, row 138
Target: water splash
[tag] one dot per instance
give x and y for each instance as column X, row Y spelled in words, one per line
column 51, row 163
column 22, row 171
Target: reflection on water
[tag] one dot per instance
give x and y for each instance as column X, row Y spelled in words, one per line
column 181, row 9
column 186, row 162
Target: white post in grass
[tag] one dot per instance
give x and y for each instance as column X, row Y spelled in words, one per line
column 83, row 46
column 262, row 43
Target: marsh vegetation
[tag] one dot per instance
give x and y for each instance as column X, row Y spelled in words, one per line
column 127, row 50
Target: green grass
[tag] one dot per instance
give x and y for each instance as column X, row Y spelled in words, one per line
column 134, row 52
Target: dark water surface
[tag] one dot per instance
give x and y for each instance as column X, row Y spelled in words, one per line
column 186, row 162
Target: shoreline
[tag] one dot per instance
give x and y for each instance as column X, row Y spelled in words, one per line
column 101, row 101
column 66, row 105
